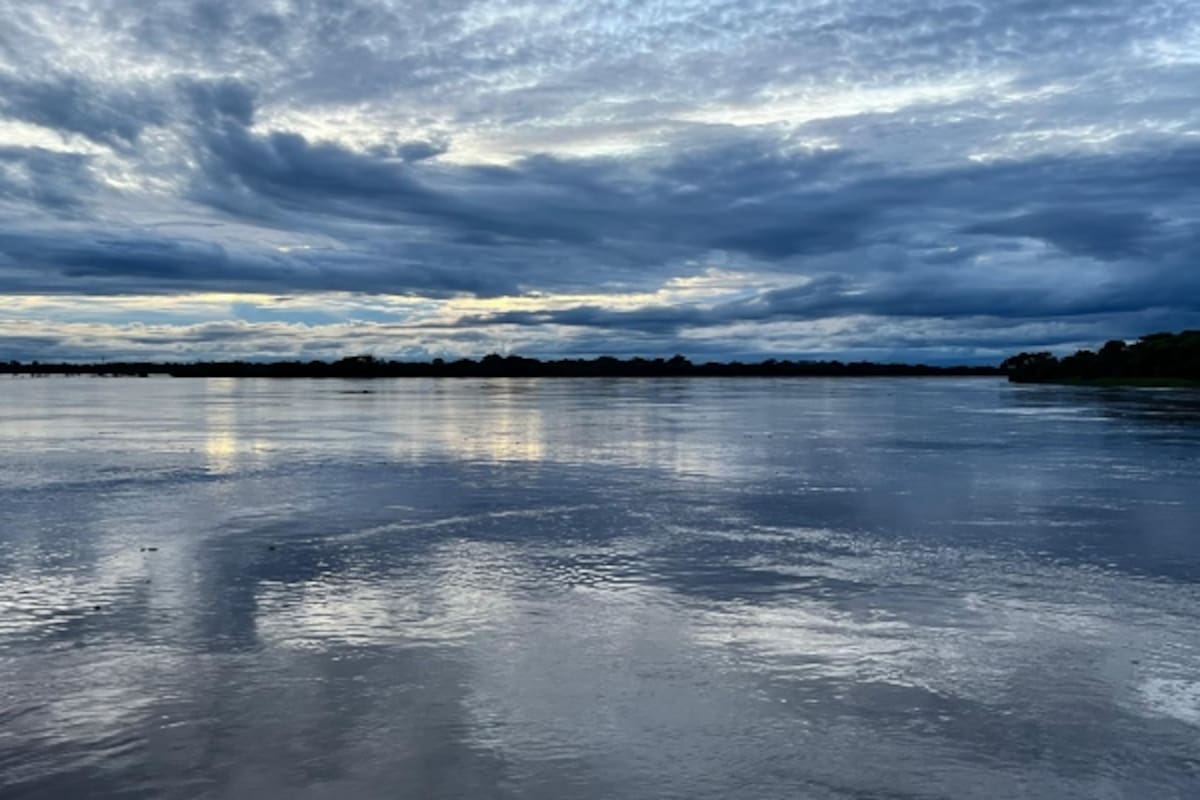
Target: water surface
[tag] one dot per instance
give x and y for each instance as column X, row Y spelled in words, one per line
column 794, row 588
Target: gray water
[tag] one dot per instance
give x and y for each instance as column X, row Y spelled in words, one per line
column 598, row 589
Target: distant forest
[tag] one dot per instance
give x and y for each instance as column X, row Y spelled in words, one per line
column 495, row 366
column 1160, row 358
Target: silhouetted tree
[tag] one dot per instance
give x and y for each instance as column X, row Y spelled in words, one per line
column 1173, row 356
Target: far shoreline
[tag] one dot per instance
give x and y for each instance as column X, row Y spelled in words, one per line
column 496, row 366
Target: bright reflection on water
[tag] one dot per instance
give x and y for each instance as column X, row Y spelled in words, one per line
column 561, row 589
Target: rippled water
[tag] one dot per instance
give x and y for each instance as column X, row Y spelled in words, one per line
column 598, row 589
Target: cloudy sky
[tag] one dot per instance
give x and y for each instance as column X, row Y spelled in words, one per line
column 890, row 179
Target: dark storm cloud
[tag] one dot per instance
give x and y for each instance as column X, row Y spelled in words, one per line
column 548, row 223
column 747, row 195
column 1100, row 234
column 56, row 182
column 220, row 102
column 943, row 297
column 143, row 262
column 774, row 207
column 74, row 105
column 284, row 173
column 907, row 294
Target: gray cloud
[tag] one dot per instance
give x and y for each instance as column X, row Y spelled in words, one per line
column 58, row 183
column 921, row 160
column 1100, row 234
column 72, row 104
column 550, row 224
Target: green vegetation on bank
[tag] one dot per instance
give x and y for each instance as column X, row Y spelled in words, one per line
column 1160, row 359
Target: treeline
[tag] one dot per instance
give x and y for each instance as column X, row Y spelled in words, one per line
column 496, row 366
column 1159, row 357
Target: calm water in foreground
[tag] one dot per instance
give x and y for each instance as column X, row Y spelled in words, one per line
column 598, row 589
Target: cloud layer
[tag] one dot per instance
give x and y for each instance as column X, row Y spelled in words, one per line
column 925, row 180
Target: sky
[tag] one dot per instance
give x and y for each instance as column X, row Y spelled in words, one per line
column 911, row 180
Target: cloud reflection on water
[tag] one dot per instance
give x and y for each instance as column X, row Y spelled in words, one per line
column 757, row 587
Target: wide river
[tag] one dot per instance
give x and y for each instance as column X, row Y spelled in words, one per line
column 794, row 588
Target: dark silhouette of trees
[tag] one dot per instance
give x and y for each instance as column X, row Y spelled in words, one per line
column 1162, row 357
column 496, row 366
